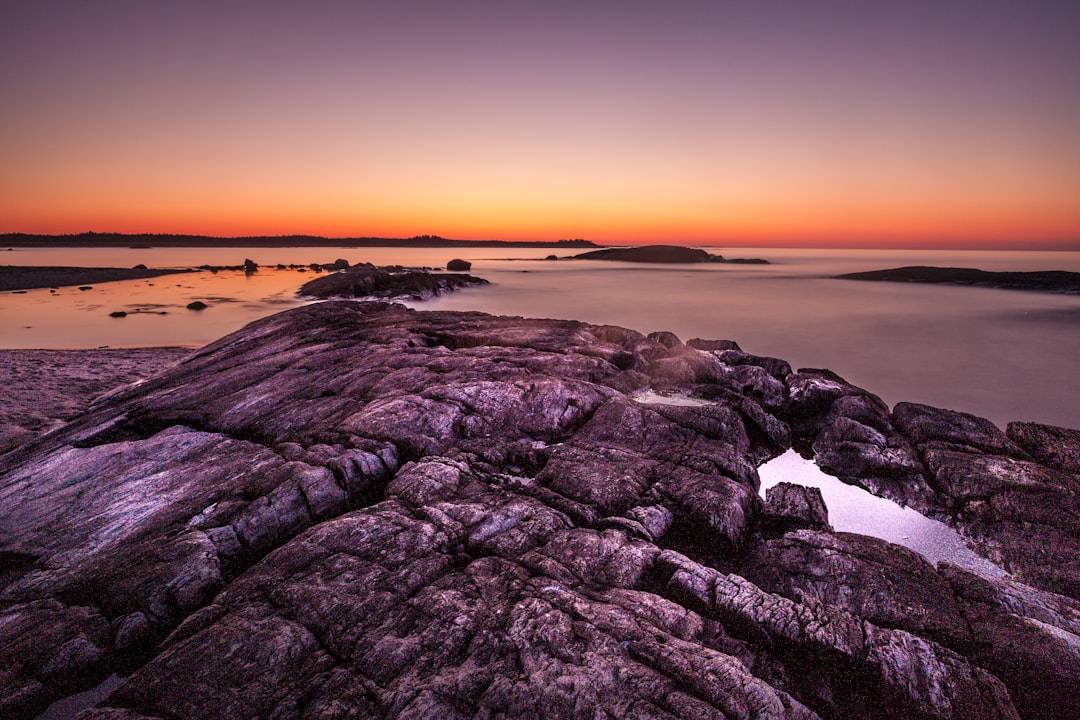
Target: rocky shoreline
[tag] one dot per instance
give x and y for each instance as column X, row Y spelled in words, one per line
column 359, row 510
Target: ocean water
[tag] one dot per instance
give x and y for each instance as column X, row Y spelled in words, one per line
column 1005, row 355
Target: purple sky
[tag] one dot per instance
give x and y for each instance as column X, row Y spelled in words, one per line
column 791, row 122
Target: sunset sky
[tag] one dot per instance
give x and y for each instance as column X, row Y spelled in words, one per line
column 947, row 123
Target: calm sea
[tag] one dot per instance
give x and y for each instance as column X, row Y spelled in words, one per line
column 1005, row 355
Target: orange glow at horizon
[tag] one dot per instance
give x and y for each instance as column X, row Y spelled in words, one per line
column 716, row 126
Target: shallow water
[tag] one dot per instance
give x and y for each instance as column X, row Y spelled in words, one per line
column 1005, row 355
column 852, row 509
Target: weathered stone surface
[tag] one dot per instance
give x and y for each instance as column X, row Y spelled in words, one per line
column 1056, row 447
column 1014, row 497
column 788, row 506
column 359, row 510
column 923, row 423
column 1028, row 638
column 907, row 675
column 886, row 584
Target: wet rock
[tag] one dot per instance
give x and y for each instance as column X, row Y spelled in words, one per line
column 197, row 305
column 250, row 266
column 457, row 265
column 118, row 314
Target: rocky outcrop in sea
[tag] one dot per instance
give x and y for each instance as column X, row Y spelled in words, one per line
column 663, row 254
column 356, row 510
column 365, row 280
column 1053, row 281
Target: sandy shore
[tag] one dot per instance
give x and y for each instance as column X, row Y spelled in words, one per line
column 20, row 277
column 45, row 388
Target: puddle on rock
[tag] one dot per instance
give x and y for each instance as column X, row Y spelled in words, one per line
column 852, row 509
column 650, row 397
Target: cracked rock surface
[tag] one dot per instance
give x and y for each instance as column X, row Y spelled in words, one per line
column 356, row 510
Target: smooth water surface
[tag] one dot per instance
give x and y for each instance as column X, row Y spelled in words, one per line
column 852, row 509
column 1005, row 355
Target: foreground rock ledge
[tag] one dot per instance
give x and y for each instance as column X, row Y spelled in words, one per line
column 355, row 510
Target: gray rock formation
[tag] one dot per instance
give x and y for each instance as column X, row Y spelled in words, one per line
column 358, row 510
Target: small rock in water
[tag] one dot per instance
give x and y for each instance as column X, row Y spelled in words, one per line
column 458, row 265
column 197, row 305
column 86, row 287
column 118, row 313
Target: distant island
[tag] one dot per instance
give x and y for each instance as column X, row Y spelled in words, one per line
column 661, row 254
column 93, row 239
column 20, row 277
column 1055, row 281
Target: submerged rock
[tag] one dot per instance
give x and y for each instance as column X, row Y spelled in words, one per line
column 359, row 510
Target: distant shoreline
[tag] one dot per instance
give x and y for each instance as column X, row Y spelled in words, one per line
column 16, row 278
column 1050, row 281
column 144, row 240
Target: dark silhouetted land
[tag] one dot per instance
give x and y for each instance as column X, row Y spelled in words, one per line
column 16, row 277
column 660, row 254
column 1055, row 281
column 92, row 239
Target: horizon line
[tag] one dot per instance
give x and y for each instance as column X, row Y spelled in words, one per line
column 913, row 244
